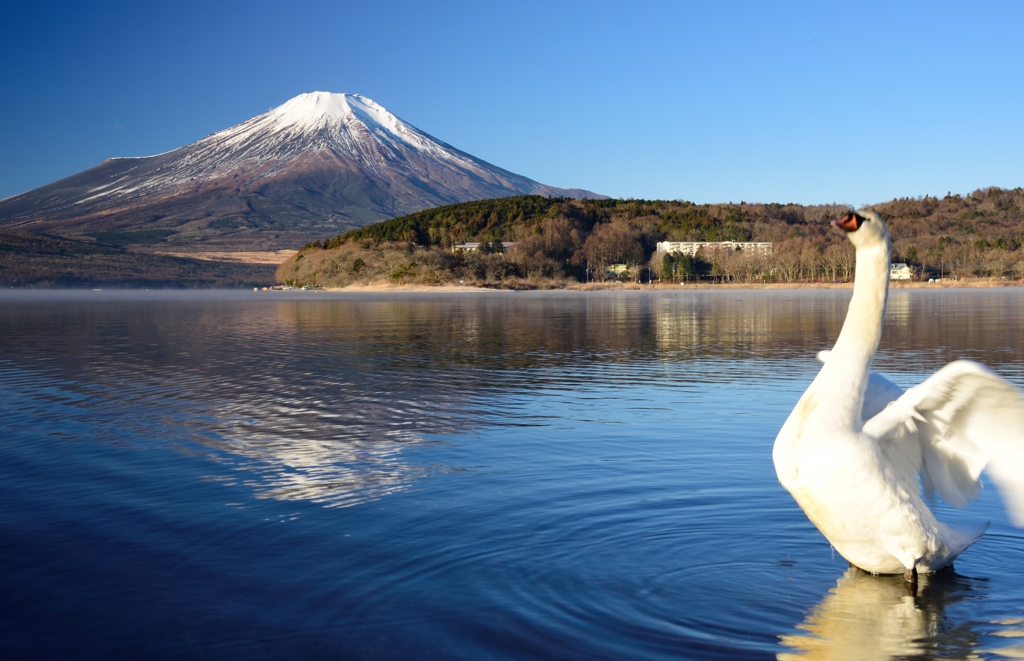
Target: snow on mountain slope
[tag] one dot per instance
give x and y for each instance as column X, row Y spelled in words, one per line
column 319, row 162
column 351, row 126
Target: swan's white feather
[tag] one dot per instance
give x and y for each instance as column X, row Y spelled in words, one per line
column 950, row 427
column 879, row 393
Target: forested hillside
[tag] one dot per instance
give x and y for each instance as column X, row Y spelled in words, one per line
column 565, row 240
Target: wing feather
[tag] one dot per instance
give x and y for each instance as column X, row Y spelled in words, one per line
column 952, row 426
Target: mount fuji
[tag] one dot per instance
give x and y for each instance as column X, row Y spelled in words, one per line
column 317, row 165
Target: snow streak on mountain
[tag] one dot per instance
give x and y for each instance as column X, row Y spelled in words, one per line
column 319, row 164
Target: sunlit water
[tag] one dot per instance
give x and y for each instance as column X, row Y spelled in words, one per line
column 470, row 476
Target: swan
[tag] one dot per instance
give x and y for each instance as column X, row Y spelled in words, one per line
column 853, row 449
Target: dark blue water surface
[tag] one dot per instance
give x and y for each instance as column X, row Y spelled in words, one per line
column 457, row 476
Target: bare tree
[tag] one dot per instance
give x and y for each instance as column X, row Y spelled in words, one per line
column 612, row 243
column 787, row 261
column 838, row 260
column 811, row 259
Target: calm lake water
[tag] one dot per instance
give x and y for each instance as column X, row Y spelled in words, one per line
column 457, row 476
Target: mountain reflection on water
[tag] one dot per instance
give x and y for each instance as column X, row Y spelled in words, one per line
column 468, row 476
column 334, row 390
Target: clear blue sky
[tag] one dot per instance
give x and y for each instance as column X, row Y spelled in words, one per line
column 806, row 102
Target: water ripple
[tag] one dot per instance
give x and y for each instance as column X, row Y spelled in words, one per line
column 493, row 476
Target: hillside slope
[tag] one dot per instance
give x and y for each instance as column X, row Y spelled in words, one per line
column 32, row 260
column 566, row 240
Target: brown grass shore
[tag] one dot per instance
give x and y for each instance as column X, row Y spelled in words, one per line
column 383, row 286
column 247, row 257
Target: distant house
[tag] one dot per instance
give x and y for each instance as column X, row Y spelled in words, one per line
column 900, row 272
column 470, row 247
column 691, row 247
column 617, row 270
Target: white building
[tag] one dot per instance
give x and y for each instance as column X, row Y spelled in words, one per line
column 469, row 247
column 691, row 247
column 900, row 272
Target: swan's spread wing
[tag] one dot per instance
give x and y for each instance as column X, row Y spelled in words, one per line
column 879, row 393
column 950, row 427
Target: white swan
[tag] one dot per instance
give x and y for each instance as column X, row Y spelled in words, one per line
column 851, row 451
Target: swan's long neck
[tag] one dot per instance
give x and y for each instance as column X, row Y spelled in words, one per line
column 850, row 362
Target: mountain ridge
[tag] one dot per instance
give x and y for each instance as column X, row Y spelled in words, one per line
column 320, row 162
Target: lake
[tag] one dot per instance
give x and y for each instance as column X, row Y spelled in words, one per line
column 501, row 475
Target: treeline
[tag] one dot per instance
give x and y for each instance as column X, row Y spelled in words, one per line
column 559, row 241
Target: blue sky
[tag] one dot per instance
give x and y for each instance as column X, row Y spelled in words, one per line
column 711, row 102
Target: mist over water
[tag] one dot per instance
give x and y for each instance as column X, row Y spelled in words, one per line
column 463, row 476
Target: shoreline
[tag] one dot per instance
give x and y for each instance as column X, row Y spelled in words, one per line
column 664, row 286
column 388, row 288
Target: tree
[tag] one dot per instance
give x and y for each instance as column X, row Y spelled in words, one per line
column 682, row 267
column 491, row 247
column 787, row 262
column 839, row 259
column 811, row 260
column 613, row 243
column 726, row 263
column 403, row 271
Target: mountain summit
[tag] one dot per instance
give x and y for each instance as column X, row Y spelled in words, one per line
column 319, row 164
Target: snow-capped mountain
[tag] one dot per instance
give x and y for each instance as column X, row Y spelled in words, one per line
column 318, row 164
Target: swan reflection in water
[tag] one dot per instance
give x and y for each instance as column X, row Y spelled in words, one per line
column 879, row 617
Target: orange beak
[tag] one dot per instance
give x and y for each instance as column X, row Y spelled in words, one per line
column 850, row 223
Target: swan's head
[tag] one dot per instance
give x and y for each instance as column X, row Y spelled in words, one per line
column 865, row 228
